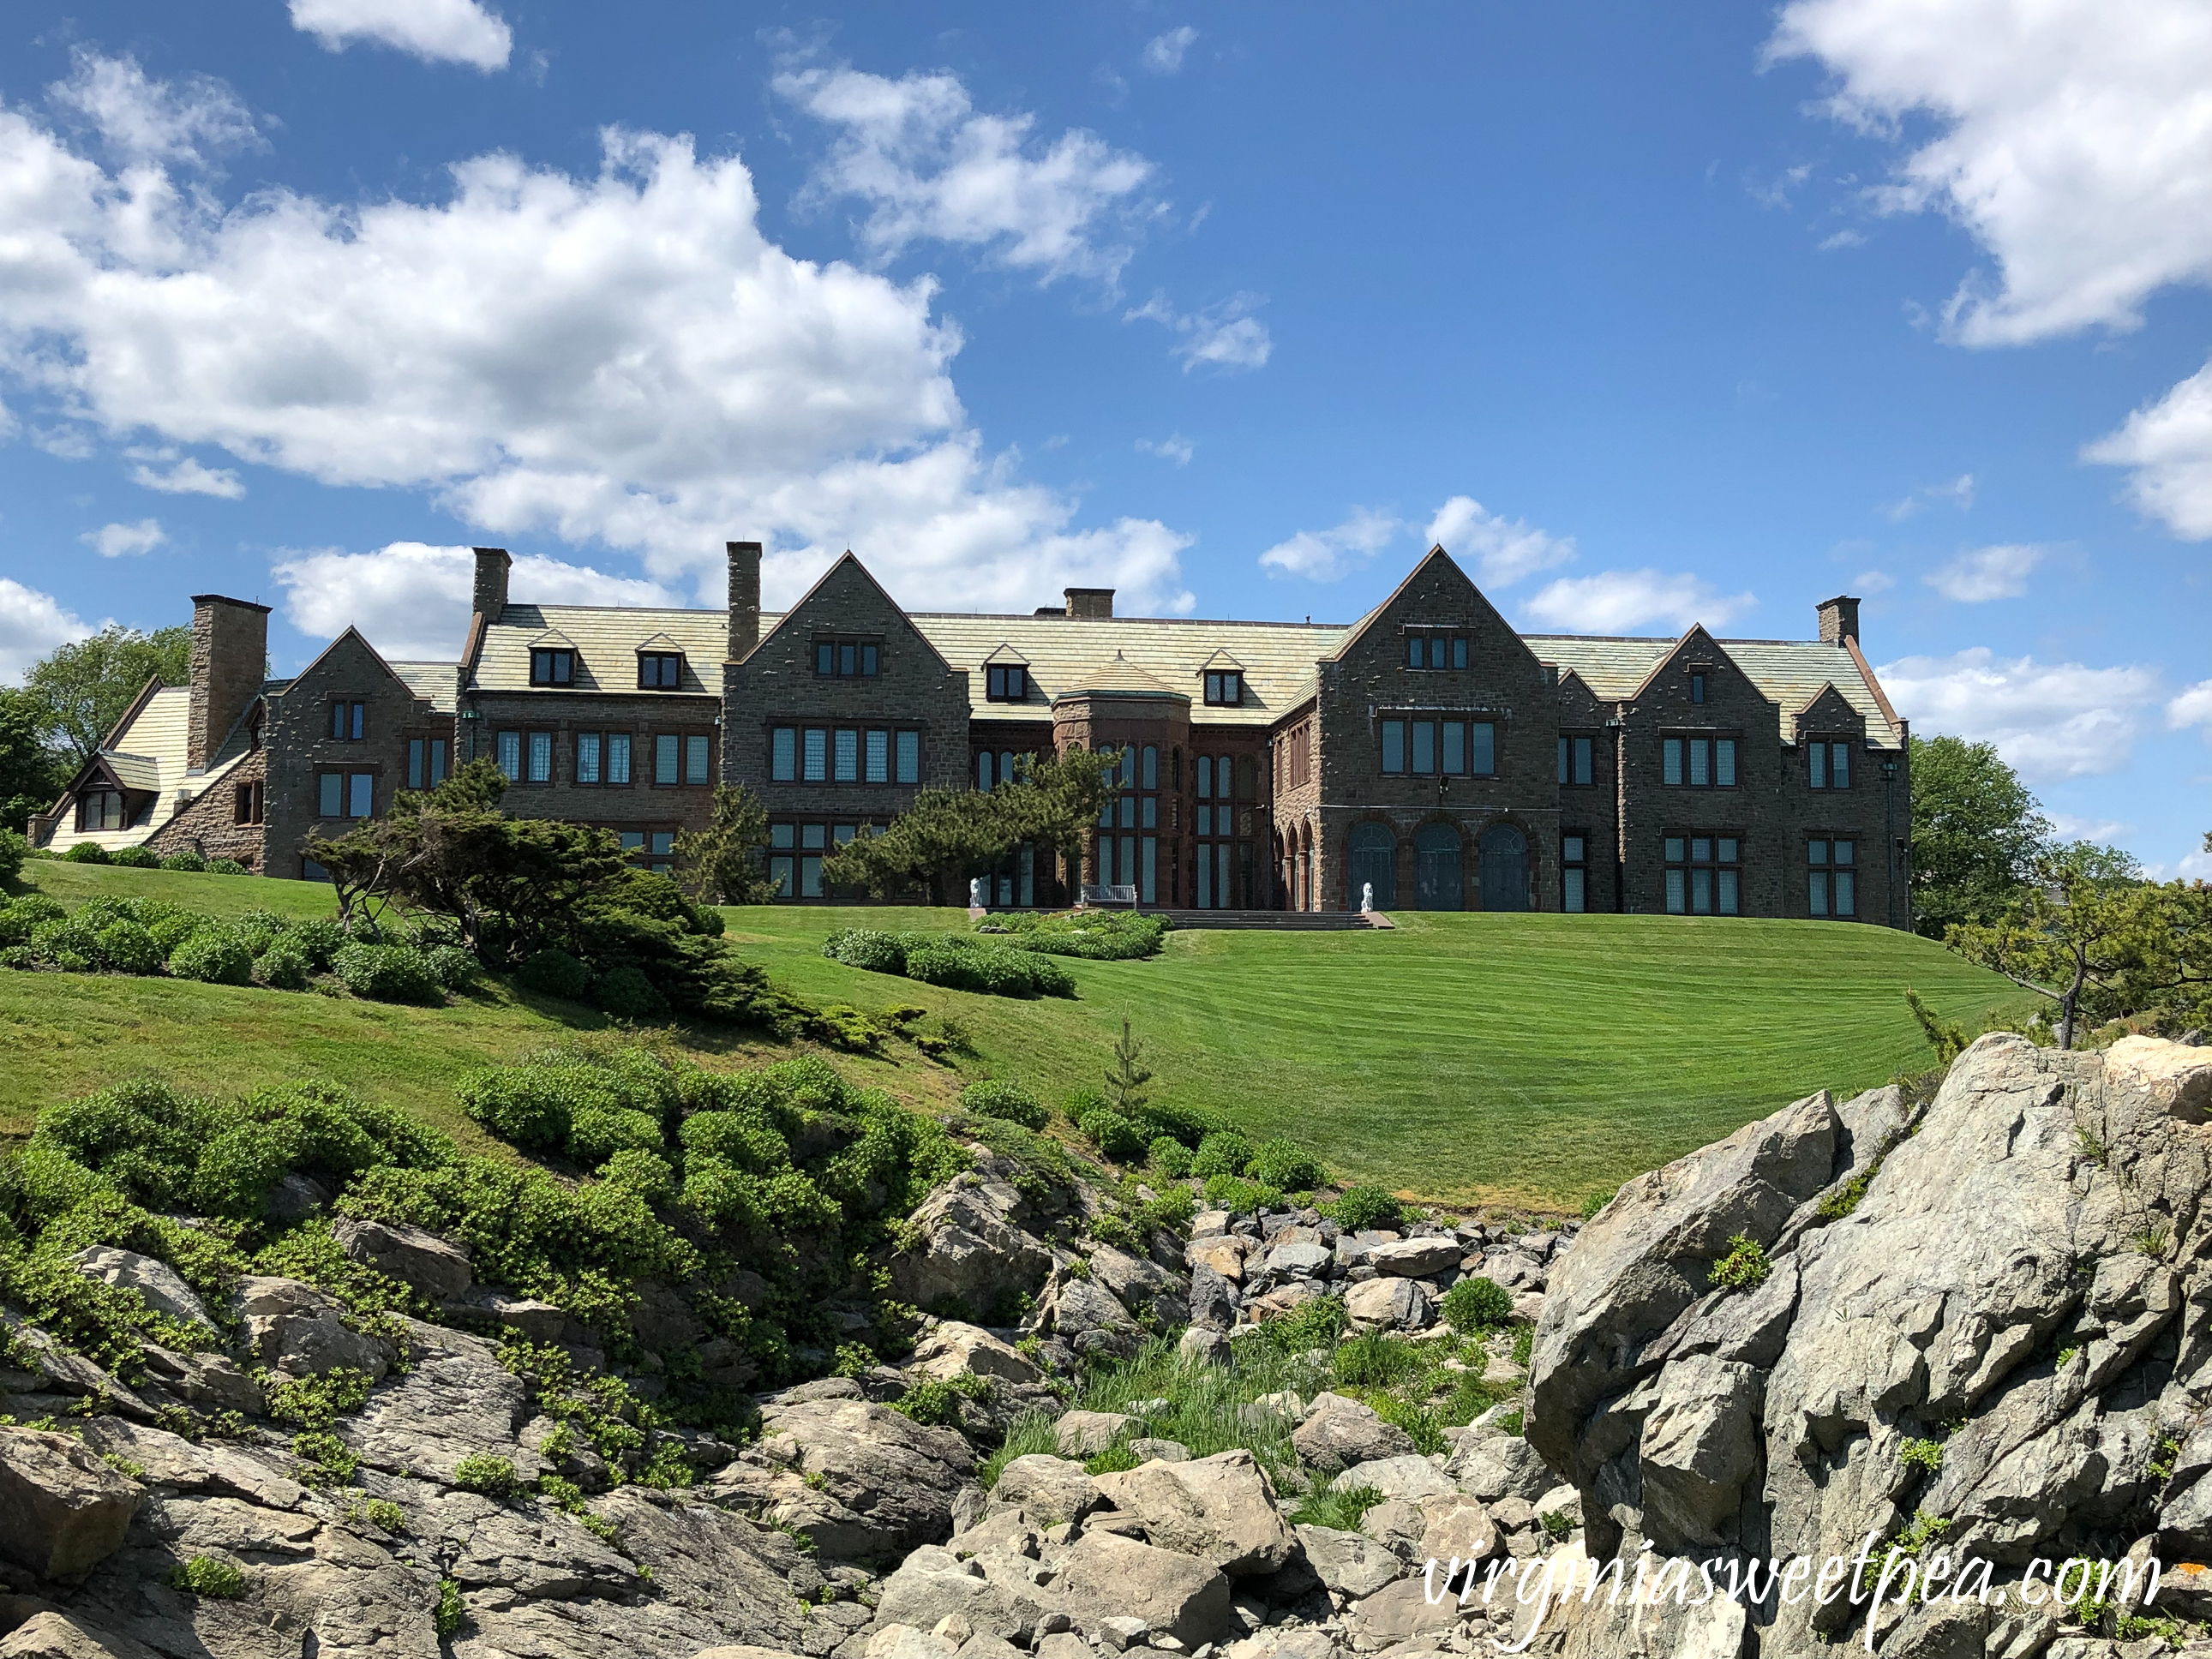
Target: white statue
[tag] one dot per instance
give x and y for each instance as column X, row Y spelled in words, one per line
column 1366, row 898
column 975, row 894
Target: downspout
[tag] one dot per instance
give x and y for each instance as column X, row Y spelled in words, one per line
column 1619, row 725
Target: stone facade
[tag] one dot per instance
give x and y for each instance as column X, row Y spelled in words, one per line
column 224, row 820
column 230, row 661
column 1428, row 755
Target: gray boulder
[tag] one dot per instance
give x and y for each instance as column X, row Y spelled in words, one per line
column 861, row 1481
column 1412, row 1258
column 1408, row 1475
column 57, row 1635
column 437, row 1268
column 1349, row 1563
column 955, row 1349
column 1085, row 1314
column 1046, row 1490
column 1220, row 1509
column 1385, row 1304
column 1213, row 1299
column 1338, row 1432
column 1085, row 1434
column 457, row 1401
column 155, row 1283
column 1106, row 1577
column 970, row 1242
column 61, row 1510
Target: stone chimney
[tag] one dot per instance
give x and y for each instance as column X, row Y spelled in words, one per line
column 745, row 598
column 1089, row 604
column 492, row 566
column 1839, row 620
column 230, row 659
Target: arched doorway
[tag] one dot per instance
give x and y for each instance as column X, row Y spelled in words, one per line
column 1505, row 868
column 1373, row 859
column 1437, row 868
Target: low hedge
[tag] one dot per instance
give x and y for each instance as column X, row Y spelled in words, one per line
column 960, row 962
column 1095, row 935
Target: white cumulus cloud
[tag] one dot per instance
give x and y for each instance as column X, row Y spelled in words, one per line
column 2192, row 707
column 187, row 477
column 1987, row 572
column 190, row 121
column 1622, row 601
column 114, row 541
column 2051, row 721
column 2069, row 138
column 410, row 600
column 1223, row 336
column 436, row 30
column 2169, row 445
column 930, row 167
column 1322, row 556
column 32, row 624
column 1502, row 550
column 649, row 372
column 1164, row 53
column 1174, row 447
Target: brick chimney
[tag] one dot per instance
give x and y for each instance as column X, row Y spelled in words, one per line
column 230, row 659
column 1839, row 620
column 492, row 566
column 744, row 597
column 1089, row 604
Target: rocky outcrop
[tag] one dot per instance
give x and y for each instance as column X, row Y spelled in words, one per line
column 61, row 1510
column 1985, row 1319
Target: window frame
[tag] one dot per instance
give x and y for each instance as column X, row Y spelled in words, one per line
column 349, row 720
column 1574, row 873
column 1721, row 863
column 846, row 656
column 1424, row 646
column 1005, row 682
column 122, row 812
column 249, row 802
column 558, row 668
column 1225, row 687
column 1821, row 770
column 660, row 659
column 1684, row 756
column 1577, row 753
column 1832, row 870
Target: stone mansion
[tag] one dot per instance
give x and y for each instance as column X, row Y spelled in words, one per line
column 1426, row 753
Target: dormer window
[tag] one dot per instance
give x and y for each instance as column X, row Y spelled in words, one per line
column 660, row 671
column 552, row 665
column 1225, row 687
column 1008, row 683
column 845, row 658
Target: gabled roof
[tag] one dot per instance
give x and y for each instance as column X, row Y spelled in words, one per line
column 1790, row 672
column 1006, row 657
column 1435, row 556
column 607, row 639
column 145, row 756
column 1220, row 662
column 1120, row 678
column 662, row 642
column 552, row 640
column 845, row 563
column 358, row 638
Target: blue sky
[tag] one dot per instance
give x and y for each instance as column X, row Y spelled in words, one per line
column 1652, row 317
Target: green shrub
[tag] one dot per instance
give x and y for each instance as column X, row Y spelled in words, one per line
column 449, row 1614
column 283, row 967
column 1341, row 1507
column 127, row 948
column 1095, row 935
column 1169, row 1158
column 135, row 858
column 1224, row 1152
column 1004, row 1100
column 1604, row 1196
column 1286, row 1164
column 209, row 1576
column 259, row 929
column 1477, row 1304
column 866, row 947
column 1113, row 1134
column 14, row 849
column 318, row 940
column 1188, row 1124
column 18, row 917
column 1364, row 1209
column 553, row 972
column 214, row 956
column 627, row 993
column 1234, row 1193
column 189, row 861
column 1743, row 1267
column 87, row 852
column 227, row 867
column 597, row 1134
column 481, row 1471
column 387, row 973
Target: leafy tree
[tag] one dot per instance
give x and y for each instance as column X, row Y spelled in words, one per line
column 1975, row 828
column 31, row 774
column 82, row 688
column 949, row 834
column 1127, row 1077
column 2087, row 934
column 721, row 864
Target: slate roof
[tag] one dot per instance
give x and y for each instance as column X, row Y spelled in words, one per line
column 440, row 682
column 1791, row 671
column 147, row 756
column 606, row 639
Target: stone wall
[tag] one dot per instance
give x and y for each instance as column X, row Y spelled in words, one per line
column 211, row 826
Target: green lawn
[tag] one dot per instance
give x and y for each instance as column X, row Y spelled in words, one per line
column 1530, row 1058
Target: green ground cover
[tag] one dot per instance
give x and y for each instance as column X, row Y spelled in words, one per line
column 1529, row 1059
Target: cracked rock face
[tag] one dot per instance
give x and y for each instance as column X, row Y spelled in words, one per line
column 1988, row 1314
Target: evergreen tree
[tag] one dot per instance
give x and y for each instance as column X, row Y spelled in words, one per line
column 721, row 864
column 1127, row 1077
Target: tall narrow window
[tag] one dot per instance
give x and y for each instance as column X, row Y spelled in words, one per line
column 1425, row 748
column 783, row 754
column 541, row 757
column 508, row 747
column 1482, row 749
column 588, row 750
column 781, row 838
column 1574, row 874
column 666, row 757
column 878, row 754
column 348, row 721
column 1697, row 688
column 1670, row 760
column 330, row 795
column 986, row 769
column 438, row 753
column 1831, row 878
column 696, row 752
column 361, row 795
column 845, row 753
column 618, row 744
column 1701, row 762
column 910, row 756
column 1454, row 760
column 1394, row 745
column 815, row 768
column 1724, row 762
column 417, row 757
